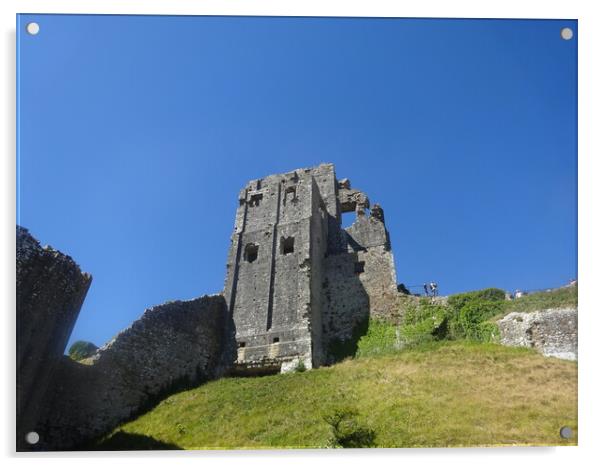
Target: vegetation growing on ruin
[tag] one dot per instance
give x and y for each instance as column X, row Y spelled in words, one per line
column 468, row 314
column 464, row 316
column 381, row 338
column 438, row 394
column 423, row 323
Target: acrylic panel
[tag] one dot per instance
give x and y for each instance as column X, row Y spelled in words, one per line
column 295, row 232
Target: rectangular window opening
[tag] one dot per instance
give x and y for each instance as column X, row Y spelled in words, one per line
column 290, row 195
column 287, row 245
column 255, row 200
column 359, row 267
column 251, row 250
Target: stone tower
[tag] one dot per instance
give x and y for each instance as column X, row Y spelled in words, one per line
column 297, row 284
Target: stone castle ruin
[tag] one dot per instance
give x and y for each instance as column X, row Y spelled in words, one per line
column 299, row 290
column 297, row 282
column 298, row 287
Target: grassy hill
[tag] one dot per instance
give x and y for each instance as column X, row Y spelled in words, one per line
column 557, row 298
column 431, row 376
column 439, row 394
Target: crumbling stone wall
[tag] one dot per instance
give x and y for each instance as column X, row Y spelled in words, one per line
column 360, row 282
column 346, row 303
column 174, row 345
column 369, row 238
column 50, row 292
column 552, row 332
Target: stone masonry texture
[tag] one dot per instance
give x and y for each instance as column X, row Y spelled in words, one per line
column 552, row 332
column 296, row 281
column 50, row 292
column 172, row 346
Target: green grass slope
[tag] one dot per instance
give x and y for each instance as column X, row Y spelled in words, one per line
column 441, row 394
column 554, row 299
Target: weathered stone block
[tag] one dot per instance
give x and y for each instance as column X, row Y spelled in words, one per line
column 50, row 292
column 552, row 332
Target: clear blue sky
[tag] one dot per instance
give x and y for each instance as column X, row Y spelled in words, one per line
column 136, row 134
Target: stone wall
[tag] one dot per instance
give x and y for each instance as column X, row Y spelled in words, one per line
column 360, row 282
column 552, row 332
column 270, row 271
column 175, row 345
column 346, row 303
column 290, row 304
column 50, row 291
column 369, row 238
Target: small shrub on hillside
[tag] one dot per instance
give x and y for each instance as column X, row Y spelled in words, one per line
column 380, row 338
column 487, row 332
column 423, row 323
column 81, row 350
column 347, row 432
column 300, row 367
column 469, row 312
column 488, row 294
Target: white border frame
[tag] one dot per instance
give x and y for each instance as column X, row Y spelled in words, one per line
column 590, row 151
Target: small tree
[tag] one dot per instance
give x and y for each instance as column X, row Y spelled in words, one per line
column 81, row 350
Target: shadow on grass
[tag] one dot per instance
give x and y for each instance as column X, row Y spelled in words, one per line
column 341, row 349
column 123, row 441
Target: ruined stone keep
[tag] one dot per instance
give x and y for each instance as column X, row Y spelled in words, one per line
column 298, row 288
column 297, row 283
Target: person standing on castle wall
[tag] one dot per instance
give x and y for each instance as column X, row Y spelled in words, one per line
column 433, row 286
column 426, row 290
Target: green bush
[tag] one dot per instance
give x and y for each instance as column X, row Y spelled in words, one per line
column 347, row 432
column 465, row 316
column 488, row 294
column 488, row 332
column 468, row 314
column 380, row 338
column 81, row 350
column 423, row 323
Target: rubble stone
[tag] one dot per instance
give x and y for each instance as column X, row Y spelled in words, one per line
column 552, row 332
